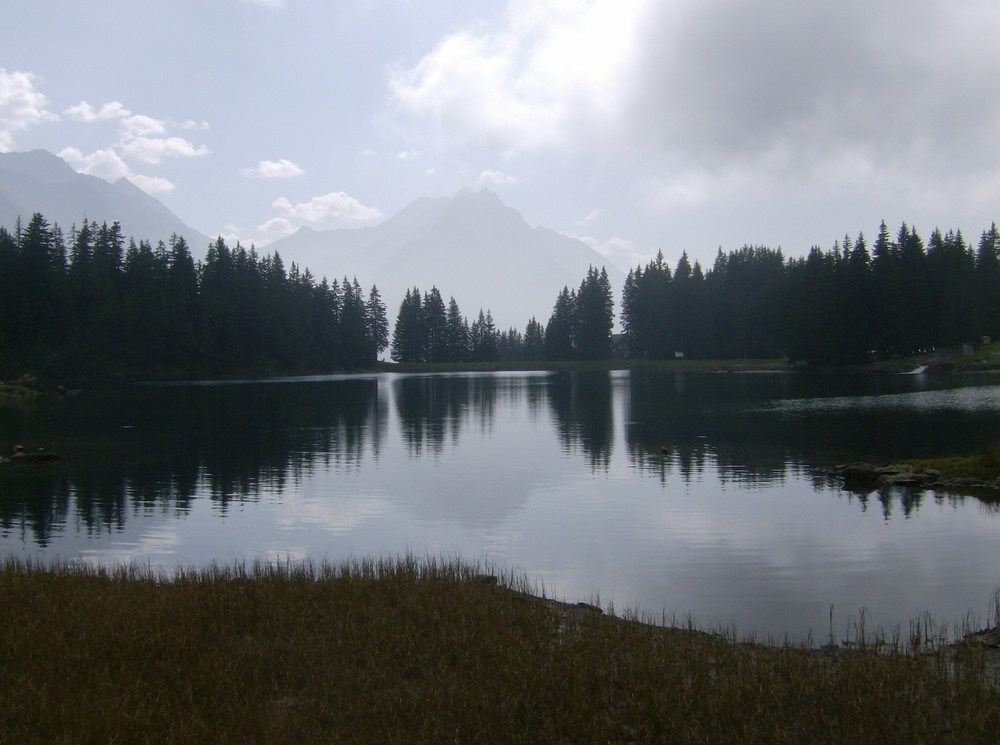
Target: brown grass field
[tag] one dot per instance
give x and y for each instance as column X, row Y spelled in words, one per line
column 428, row 651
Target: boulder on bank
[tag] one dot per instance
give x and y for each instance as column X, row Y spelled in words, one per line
column 865, row 477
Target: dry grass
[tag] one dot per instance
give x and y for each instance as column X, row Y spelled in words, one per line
column 408, row 650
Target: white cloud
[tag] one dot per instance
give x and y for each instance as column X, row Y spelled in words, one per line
column 142, row 126
column 496, row 177
column 270, row 169
column 21, row 106
column 406, row 155
column 153, row 150
column 336, row 205
column 152, row 184
column 104, row 163
column 556, row 70
column 593, row 215
column 718, row 95
column 108, row 165
column 84, row 112
column 193, row 125
column 277, row 227
column 137, row 140
column 622, row 252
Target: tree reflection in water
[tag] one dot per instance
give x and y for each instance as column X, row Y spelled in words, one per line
column 135, row 450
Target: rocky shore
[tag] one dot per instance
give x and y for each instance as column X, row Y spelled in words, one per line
column 866, row 477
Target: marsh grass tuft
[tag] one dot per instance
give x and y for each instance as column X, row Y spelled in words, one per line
column 983, row 466
column 412, row 649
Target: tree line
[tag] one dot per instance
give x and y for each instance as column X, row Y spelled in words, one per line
column 580, row 327
column 97, row 306
column 93, row 305
column 848, row 304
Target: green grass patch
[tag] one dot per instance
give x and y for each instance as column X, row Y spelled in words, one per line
column 982, row 466
column 408, row 650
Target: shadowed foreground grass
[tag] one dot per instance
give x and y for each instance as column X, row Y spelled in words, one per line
column 422, row 650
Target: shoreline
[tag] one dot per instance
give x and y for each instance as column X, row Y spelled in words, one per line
column 986, row 362
column 864, row 478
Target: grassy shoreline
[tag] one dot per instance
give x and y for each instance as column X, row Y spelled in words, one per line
column 408, row 650
column 985, row 359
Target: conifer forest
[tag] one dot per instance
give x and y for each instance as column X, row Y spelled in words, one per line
column 92, row 304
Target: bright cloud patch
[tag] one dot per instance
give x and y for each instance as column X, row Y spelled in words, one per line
column 108, row 165
column 269, row 169
column 105, row 163
column 140, row 137
column 153, row 184
column 554, row 71
column 496, row 177
column 715, row 97
column 619, row 251
column 336, row 205
column 153, row 150
column 84, row 112
column 21, row 106
column 277, row 227
column 142, row 126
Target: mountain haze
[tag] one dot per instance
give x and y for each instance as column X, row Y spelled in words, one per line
column 39, row 181
column 471, row 246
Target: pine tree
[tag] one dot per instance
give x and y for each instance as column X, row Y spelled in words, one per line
column 988, row 283
column 377, row 325
column 560, row 332
column 435, row 325
column 534, row 340
column 594, row 316
column 457, row 330
column 484, row 339
column 408, row 335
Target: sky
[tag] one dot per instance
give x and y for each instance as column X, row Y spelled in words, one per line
column 635, row 125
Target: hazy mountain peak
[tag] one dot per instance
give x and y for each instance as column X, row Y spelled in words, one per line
column 37, row 164
column 483, row 194
column 471, row 246
column 38, row 181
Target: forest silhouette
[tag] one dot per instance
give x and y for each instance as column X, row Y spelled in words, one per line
column 93, row 306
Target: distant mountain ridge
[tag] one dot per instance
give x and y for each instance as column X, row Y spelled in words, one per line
column 38, row 181
column 471, row 246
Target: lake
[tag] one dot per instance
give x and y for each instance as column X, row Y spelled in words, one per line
column 691, row 495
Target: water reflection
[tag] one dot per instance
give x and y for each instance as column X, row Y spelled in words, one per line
column 582, row 411
column 134, row 449
column 142, row 450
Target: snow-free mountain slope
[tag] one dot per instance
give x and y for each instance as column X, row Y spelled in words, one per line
column 471, row 246
column 39, row 181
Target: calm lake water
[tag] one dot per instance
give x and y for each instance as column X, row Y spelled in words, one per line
column 563, row 476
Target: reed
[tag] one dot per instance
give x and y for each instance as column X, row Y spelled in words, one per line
column 406, row 649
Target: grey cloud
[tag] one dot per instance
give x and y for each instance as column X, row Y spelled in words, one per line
column 795, row 81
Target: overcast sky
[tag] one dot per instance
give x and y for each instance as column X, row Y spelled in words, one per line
column 635, row 124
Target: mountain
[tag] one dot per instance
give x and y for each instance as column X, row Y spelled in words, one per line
column 39, row 181
column 471, row 246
